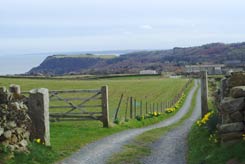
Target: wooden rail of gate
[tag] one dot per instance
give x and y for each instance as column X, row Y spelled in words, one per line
column 80, row 110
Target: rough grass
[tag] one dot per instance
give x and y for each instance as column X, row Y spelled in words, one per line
column 67, row 137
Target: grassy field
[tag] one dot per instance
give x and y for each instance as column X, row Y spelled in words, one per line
column 153, row 89
column 67, row 137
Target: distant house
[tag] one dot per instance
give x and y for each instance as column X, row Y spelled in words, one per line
column 175, row 76
column 214, row 69
column 148, row 72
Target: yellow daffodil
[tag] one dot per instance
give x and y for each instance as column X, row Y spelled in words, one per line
column 38, row 140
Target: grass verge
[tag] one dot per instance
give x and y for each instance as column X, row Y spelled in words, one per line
column 140, row 146
column 202, row 150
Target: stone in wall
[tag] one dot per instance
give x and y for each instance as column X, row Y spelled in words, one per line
column 229, row 104
column 233, row 136
column 236, row 116
column 231, row 127
column 224, row 89
column 237, row 92
column 225, row 118
column 236, row 79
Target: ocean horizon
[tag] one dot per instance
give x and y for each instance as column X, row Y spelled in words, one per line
column 19, row 64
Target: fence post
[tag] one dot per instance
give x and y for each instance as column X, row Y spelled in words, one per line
column 146, row 107
column 105, row 106
column 141, row 108
column 204, row 92
column 131, row 107
column 135, row 112
column 126, row 111
column 39, row 113
column 118, row 107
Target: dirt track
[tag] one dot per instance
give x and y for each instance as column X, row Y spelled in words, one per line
column 172, row 147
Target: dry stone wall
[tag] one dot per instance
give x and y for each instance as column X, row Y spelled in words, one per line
column 14, row 120
column 232, row 107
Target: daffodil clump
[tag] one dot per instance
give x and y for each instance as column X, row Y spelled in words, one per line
column 177, row 105
column 213, row 138
column 149, row 115
column 38, row 140
column 205, row 119
column 243, row 136
column 170, row 110
column 154, row 114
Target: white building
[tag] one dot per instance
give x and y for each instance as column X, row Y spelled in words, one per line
column 148, row 72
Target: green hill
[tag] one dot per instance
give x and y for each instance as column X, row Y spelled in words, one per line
column 160, row 60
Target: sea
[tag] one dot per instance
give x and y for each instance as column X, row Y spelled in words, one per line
column 21, row 63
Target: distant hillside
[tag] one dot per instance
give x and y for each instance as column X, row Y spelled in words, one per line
column 161, row 60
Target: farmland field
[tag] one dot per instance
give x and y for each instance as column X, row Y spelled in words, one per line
column 153, row 90
column 67, row 137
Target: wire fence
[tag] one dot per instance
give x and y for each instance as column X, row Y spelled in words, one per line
column 139, row 107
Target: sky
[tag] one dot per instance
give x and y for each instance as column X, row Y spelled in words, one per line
column 35, row 26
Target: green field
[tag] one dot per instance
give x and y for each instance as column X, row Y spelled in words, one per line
column 86, row 56
column 151, row 90
column 67, row 137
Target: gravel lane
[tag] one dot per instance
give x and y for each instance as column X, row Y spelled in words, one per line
column 172, row 147
column 99, row 151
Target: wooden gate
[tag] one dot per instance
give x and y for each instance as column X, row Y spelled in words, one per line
column 92, row 107
column 81, row 104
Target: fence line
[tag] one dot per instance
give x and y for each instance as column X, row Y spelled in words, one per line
column 141, row 107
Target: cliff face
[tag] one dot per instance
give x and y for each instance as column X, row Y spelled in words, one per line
column 163, row 60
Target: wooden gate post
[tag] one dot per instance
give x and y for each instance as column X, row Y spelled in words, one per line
column 39, row 113
column 135, row 108
column 141, row 108
column 105, row 106
column 204, row 92
column 131, row 107
column 146, row 108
